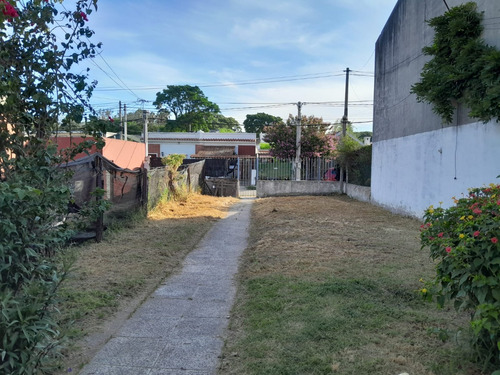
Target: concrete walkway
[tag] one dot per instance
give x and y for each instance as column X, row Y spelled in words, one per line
column 180, row 328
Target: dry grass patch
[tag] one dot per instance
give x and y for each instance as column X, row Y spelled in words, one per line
column 110, row 279
column 330, row 285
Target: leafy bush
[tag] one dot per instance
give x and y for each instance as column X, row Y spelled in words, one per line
column 464, row 240
column 463, row 68
column 173, row 162
column 40, row 41
column 356, row 159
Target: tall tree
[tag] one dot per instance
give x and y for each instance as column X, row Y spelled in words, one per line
column 190, row 107
column 315, row 142
column 227, row 124
column 257, row 122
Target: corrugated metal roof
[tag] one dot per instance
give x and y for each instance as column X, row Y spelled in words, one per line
column 125, row 154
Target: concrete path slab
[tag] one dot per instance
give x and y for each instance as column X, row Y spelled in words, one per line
column 180, row 328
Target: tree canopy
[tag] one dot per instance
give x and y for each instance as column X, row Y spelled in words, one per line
column 190, row 107
column 257, row 122
column 315, row 142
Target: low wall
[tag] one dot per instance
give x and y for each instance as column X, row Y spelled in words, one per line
column 274, row 188
column 360, row 193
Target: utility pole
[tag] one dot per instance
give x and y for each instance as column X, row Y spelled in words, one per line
column 344, row 123
column 121, row 119
column 125, row 121
column 346, row 102
column 145, row 130
column 298, row 163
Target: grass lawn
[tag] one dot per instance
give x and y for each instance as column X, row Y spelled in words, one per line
column 330, row 285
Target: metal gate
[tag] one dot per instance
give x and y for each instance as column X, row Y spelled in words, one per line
column 247, row 176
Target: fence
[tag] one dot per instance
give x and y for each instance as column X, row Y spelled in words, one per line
column 238, row 176
column 189, row 176
column 228, row 176
column 124, row 187
column 311, row 169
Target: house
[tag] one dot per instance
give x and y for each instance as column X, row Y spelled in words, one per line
column 202, row 144
column 418, row 160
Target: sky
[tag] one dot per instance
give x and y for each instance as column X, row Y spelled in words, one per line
column 246, row 56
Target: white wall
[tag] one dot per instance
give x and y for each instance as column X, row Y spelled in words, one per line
column 183, row 148
column 411, row 173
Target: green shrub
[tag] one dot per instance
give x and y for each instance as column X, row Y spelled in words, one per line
column 40, row 91
column 464, row 240
column 176, row 190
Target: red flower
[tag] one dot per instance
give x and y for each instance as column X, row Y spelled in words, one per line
column 448, row 249
column 494, row 240
column 477, row 211
column 84, row 16
column 8, row 10
column 440, row 234
column 476, row 233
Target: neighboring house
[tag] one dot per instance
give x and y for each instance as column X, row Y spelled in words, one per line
column 125, row 154
column 417, row 160
column 202, row 144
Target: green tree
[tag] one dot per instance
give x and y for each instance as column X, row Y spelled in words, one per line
column 256, row 123
column 315, row 142
column 336, row 128
column 225, row 124
column 190, row 107
column 39, row 90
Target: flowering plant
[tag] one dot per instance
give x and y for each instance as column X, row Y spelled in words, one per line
column 464, row 240
column 314, row 141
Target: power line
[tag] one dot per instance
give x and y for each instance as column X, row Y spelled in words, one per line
column 239, row 83
column 109, row 66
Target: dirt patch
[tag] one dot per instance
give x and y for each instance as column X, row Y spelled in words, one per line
column 111, row 279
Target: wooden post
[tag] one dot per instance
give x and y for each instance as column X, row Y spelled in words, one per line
column 99, row 225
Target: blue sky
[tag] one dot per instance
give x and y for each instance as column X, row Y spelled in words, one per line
column 246, row 56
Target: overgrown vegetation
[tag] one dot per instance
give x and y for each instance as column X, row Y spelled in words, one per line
column 38, row 90
column 356, row 159
column 175, row 190
column 464, row 240
column 463, row 68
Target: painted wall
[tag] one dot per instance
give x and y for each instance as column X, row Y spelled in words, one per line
column 417, row 160
column 183, row 148
column 411, row 173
